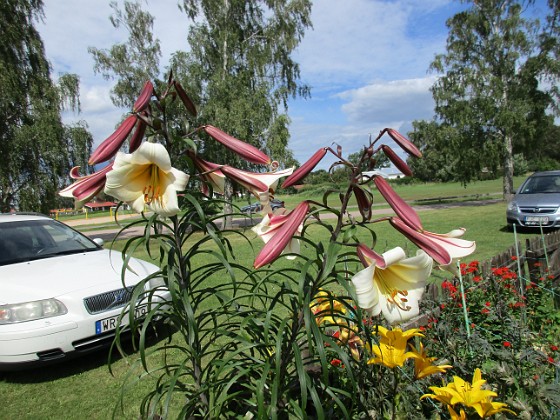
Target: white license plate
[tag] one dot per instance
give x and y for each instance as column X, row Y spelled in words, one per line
column 109, row 324
column 536, row 220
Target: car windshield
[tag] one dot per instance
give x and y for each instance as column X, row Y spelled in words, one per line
column 35, row 239
column 542, row 184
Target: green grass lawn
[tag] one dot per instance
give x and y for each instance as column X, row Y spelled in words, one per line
column 84, row 388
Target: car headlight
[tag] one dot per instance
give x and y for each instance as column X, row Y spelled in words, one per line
column 30, row 311
column 512, row 206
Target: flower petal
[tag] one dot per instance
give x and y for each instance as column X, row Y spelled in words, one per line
column 406, row 213
column 397, row 161
column 146, row 177
column 404, row 143
column 434, row 249
column 110, row 146
column 185, row 98
column 144, row 97
column 304, row 169
column 283, row 236
column 245, row 150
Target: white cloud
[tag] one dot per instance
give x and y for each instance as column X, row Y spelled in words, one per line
column 365, row 60
column 398, row 100
column 357, row 41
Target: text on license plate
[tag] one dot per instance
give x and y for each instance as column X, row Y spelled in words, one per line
column 536, row 220
column 109, row 324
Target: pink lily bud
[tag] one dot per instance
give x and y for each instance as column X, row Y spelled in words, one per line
column 397, row 161
column 245, row 150
column 403, row 210
column 137, row 137
column 433, row 249
column 304, row 169
column 75, row 173
column 144, row 98
column 211, row 173
column 86, row 187
column 111, row 145
column 274, row 247
column 368, row 256
column 404, row 143
column 244, row 178
column 364, row 202
column 185, row 98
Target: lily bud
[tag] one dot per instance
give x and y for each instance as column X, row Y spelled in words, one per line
column 185, row 98
column 144, row 98
column 403, row 210
column 137, row 137
column 245, row 150
column 304, row 169
column 368, row 256
column 364, row 202
column 404, row 143
column 244, row 178
column 85, row 187
column 397, row 161
column 433, row 249
column 274, row 247
column 111, row 145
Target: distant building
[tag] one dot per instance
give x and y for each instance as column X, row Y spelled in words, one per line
column 388, row 173
column 99, row 205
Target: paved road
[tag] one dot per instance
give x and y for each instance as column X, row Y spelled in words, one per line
column 106, row 228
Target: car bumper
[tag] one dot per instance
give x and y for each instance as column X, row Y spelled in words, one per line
column 36, row 343
column 530, row 220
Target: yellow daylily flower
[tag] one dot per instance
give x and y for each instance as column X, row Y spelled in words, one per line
column 469, row 395
column 392, row 348
column 392, row 284
column 146, row 178
column 454, row 416
column 423, row 365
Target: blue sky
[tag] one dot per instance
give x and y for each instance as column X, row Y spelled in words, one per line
column 365, row 60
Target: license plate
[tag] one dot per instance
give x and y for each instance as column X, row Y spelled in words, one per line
column 536, row 220
column 109, row 324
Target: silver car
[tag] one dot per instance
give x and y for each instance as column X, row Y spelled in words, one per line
column 537, row 201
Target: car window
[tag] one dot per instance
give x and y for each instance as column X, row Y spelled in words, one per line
column 36, row 239
column 541, row 184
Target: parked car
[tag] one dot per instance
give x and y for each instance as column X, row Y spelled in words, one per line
column 256, row 207
column 537, row 202
column 61, row 293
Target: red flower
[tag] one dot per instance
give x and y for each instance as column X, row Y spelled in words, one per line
column 336, row 362
column 485, row 311
column 550, row 360
column 554, row 348
column 488, row 304
column 514, row 258
column 507, row 344
column 477, row 279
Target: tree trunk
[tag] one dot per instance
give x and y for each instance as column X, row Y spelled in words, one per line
column 228, row 209
column 508, row 168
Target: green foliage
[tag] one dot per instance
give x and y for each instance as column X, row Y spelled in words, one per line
column 133, row 62
column 33, row 141
column 513, row 335
column 489, row 102
column 241, row 70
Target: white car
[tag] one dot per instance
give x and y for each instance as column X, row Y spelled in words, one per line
column 61, row 293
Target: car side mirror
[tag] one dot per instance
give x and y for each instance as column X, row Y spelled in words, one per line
column 99, row 242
